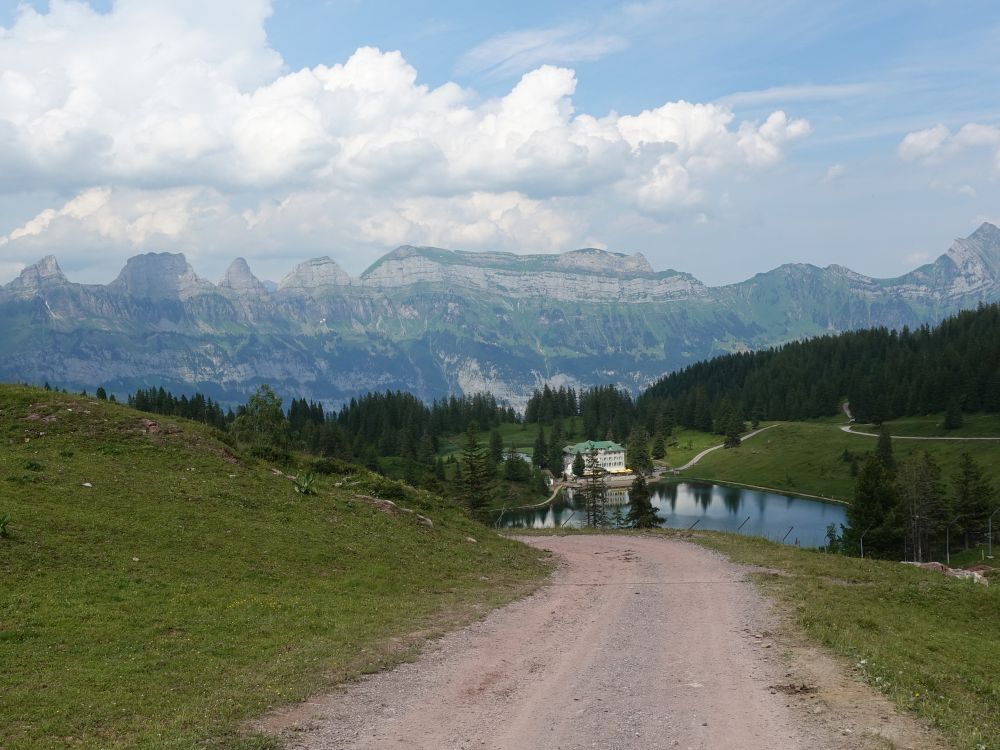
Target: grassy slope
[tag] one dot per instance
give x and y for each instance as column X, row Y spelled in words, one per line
column 973, row 425
column 807, row 457
column 931, row 643
column 183, row 593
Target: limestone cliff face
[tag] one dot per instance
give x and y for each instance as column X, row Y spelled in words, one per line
column 435, row 321
column 160, row 276
column 314, row 277
column 45, row 274
column 240, row 281
column 584, row 276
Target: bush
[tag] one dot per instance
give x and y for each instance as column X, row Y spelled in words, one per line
column 4, row 520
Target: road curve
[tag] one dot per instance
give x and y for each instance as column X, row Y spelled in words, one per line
column 636, row 642
column 847, row 428
column 705, row 452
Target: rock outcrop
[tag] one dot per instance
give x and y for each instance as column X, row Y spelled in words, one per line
column 314, row 277
column 240, row 280
column 160, row 276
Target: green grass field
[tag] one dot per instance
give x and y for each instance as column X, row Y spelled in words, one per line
column 973, row 425
column 807, row 457
column 929, row 642
column 188, row 589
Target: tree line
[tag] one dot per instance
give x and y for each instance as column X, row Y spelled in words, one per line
column 909, row 510
column 953, row 367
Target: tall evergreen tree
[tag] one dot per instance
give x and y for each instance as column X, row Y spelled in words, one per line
column 496, row 446
column 973, row 496
column 579, row 466
column 641, row 513
column 883, row 449
column 872, row 517
column 637, row 452
column 595, row 492
column 557, row 443
column 476, row 474
column 921, row 502
column 659, row 450
column 540, row 452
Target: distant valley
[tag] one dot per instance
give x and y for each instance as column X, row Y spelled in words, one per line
column 434, row 322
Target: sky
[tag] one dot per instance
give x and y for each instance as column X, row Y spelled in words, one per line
column 717, row 137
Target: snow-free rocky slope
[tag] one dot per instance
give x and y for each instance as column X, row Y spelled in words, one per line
column 434, row 321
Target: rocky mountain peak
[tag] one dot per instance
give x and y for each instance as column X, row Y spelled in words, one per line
column 313, row 276
column 34, row 278
column 978, row 255
column 160, row 276
column 240, row 280
column 987, row 233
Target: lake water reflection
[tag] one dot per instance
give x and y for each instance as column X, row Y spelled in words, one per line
column 713, row 506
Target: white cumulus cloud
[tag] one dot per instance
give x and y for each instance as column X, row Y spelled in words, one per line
column 938, row 143
column 176, row 124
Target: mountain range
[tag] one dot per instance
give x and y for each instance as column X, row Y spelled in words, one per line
column 435, row 322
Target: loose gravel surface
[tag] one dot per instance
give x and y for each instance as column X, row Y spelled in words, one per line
column 636, row 642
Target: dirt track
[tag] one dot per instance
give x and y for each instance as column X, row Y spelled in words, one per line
column 637, row 642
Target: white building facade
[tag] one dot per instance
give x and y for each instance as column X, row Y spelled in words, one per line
column 610, row 456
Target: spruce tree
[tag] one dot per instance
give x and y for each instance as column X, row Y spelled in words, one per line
column 476, row 474
column 641, row 513
column 883, row 449
column 733, row 427
column 921, row 503
column 579, row 467
column 539, row 454
column 496, row 446
column 637, row 453
column 595, row 492
column 556, row 446
column 973, row 497
column 659, row 447
column 872, row 517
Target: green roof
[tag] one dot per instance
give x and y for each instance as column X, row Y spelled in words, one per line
column 590, row 445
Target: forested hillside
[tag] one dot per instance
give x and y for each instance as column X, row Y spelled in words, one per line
column 885, row 374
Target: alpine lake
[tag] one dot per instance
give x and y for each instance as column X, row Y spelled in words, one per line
column 700, row 505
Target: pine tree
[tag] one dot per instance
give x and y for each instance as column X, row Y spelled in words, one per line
column 595, row 492
column 579, row 467
column 733, row 427
column 659, row 447
column 556, row 446
column 476, row 474
column 883, row 450
column 539, row 454
column 496, row 446
column 641, row 513
column 872, row 521
column 922, row 507
column 637, row 453
column 973, row 497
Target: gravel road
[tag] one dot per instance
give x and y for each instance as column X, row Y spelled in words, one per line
column 636, row 642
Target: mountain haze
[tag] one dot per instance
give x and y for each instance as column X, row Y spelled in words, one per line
column 434, row 321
